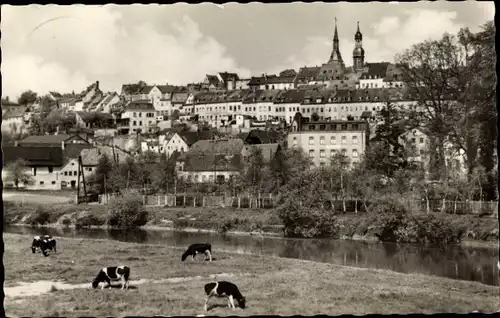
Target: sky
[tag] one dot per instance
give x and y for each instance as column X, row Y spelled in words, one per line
column 66, row 48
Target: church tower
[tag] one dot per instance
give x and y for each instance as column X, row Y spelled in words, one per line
column 336, row 56
column 358, row 55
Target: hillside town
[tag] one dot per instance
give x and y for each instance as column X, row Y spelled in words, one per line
column 323, row 110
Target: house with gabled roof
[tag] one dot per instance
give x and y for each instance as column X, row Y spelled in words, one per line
column 16, row 119
column 108, row 101
column 212, row 160
column 228, row 80
column 212, row 82
column 183, row 140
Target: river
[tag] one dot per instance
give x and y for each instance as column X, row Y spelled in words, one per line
column 464, row 263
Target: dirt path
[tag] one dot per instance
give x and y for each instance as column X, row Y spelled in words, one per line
column 42, row 287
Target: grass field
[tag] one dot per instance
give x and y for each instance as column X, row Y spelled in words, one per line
column 39, row 197
column 271, row 285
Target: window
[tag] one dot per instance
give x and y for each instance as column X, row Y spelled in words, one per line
column 354, row 139
column 333, row 140
column 413, row 140
column 311, row 153
column 344, row 140
column 311, row 140
column 421, row 140
column 332, row 153
column 74, row 173
column 322, row 153
column 355, row 126
column 51, row 169
column 344, row 127
column 321, row 140
column 322, row 164
column 354, row 153
column 53, row 182
column 65, row 173
column 34, row 171
column 344, row 152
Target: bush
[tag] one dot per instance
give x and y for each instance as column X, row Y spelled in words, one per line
column 387, row 204
column 307, row 222
column 87, row 219
column 127, row 212
column 40, row 216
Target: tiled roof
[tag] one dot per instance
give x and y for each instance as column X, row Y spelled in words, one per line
column 211, row 162
column 191, row 137
column 213, row 80
column 165, row 89
column 225, row 155
column 227, row 76
column 140, row 105
column 290, row 96
column 9, row 104
column 147, row 89
column 253, row 96
column 35, row 156
column 379, row 70
column 231, row 146
column 307, row 73
column 261, row 137
column 14, row 112
column 85, row 116
column 45, row 139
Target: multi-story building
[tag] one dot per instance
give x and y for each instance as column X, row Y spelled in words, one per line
column 321, row 140
column 141, row 117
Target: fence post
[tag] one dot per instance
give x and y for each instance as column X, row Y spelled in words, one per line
column 144, row 199
column 203, row 202
column 194, row 202
column 184, row 201
column 158, row 200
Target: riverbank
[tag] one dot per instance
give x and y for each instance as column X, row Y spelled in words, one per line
column 271, row 285
column 479, row 231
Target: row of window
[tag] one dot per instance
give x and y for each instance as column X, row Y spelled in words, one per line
column 322, row 153
column 333, row 140
column 134, row 123
column 297, row 109
column 148, row 114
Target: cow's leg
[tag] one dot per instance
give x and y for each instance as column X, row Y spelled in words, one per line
column 102, row 286
column 231, row 300
column 209, row 255
column 55, row 249
column 123, row 282
column 206, row 301
column 228, row 302
column 194, row 254
column 109, row 283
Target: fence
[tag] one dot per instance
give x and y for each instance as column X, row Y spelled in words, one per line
column 351, row 206
column 262, row 201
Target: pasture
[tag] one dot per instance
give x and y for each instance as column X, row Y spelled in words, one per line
column 271, row 285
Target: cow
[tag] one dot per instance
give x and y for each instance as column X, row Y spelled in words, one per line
column 113, row 273
column 44, row 243
column 224, row 289
column 199, row 248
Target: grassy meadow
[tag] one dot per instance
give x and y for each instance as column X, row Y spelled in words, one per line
column 271, row 285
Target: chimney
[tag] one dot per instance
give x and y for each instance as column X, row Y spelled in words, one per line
column 97, row 85
column 62, row 145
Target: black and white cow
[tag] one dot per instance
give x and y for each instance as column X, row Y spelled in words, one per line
column 113, row 273
column 224, row 289
column 195, row 249
column 44, row 243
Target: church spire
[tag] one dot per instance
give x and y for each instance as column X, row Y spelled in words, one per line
column 335, row 56
column 358, row 54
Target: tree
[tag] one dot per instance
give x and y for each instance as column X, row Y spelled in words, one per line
column 254, row 170
column 314, row 117
column 100, row 182
column 339, row 165
column 432, row 70
column 17, row 173
column 161, row 177
column 27, row 98
column 175, row 115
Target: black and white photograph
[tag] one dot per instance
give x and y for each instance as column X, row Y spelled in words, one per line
column 243, row 159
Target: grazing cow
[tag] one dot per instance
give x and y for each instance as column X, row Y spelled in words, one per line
column 113, row 273
column 44, row 243
column 195, row 249
column 224, row 289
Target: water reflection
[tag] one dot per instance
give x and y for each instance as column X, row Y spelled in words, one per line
column 466, row 263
